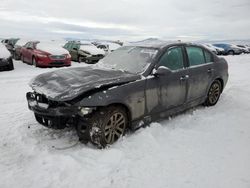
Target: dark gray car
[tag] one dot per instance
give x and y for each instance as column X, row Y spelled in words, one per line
column 138, row 85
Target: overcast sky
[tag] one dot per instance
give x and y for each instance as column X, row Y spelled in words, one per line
column 126, row 19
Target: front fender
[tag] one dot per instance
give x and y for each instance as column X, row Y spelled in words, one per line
column 131, row 95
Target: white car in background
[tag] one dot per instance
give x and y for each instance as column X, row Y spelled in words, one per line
column 108, row 47
column 6, row 62
column 215, row 49
column 244, row 48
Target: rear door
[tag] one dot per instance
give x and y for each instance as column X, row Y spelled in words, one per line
column 201, row 71
column 74, row 51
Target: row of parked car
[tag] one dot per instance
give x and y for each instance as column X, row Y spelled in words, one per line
column 227, row 49
column 57, row 53
column 54, row 53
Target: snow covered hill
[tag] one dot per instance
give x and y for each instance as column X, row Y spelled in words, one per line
column 203, row 147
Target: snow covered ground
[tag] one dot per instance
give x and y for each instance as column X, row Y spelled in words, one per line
column 203, row 147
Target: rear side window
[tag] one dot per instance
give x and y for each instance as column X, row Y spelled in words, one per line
column 172, row 59
column 195, row 56
column 208, row 57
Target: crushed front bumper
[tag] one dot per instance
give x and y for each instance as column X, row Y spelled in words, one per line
column 42, row 106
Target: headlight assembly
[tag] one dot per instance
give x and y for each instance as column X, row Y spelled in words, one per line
column 85, row 110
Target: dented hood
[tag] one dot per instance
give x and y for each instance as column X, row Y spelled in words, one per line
column 67, row 84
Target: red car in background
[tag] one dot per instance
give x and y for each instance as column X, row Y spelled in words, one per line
column 45, row 54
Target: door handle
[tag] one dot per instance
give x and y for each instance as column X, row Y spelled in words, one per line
column 210, row 70
column 184, row 77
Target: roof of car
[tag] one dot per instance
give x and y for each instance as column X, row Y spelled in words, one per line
column 159, row 44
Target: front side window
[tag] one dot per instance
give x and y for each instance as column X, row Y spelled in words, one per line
column 195, row 56
column 172, row 59
column 70, row 46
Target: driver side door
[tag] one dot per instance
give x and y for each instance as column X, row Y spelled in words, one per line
column 173, row 86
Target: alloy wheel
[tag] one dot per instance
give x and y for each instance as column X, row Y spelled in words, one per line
column 115, row 127
column 214, row 93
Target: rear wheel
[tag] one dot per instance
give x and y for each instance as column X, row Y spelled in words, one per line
column 105, row 126
column 213, row 93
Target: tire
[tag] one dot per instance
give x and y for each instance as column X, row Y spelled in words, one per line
column 214, row 93
column 231, row 52
column 34, row 62
column 105, row 126
column 11, row 65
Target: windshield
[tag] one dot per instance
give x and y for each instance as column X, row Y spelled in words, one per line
column 131, row 59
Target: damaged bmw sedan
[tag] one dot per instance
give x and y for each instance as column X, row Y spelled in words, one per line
column 128, row 89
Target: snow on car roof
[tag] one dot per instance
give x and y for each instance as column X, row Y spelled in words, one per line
column 4, row 53
column 51, row 47
column 154, row 44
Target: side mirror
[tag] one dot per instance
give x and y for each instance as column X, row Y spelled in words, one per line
column 75, row 49
column 29, row 48
column 162, row 71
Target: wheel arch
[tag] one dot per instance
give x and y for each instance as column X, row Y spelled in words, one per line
column 33, row 57
column 126, row 108
column 221, row 82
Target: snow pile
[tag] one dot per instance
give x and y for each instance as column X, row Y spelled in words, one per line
column 203, row 147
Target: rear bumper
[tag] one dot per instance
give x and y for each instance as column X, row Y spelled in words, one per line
column 42, row 107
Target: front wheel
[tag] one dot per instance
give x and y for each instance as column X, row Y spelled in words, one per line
column 34, row 62
column 105, row 126
column 213, row 93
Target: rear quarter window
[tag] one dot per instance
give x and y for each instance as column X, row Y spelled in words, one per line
column 208, row 57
